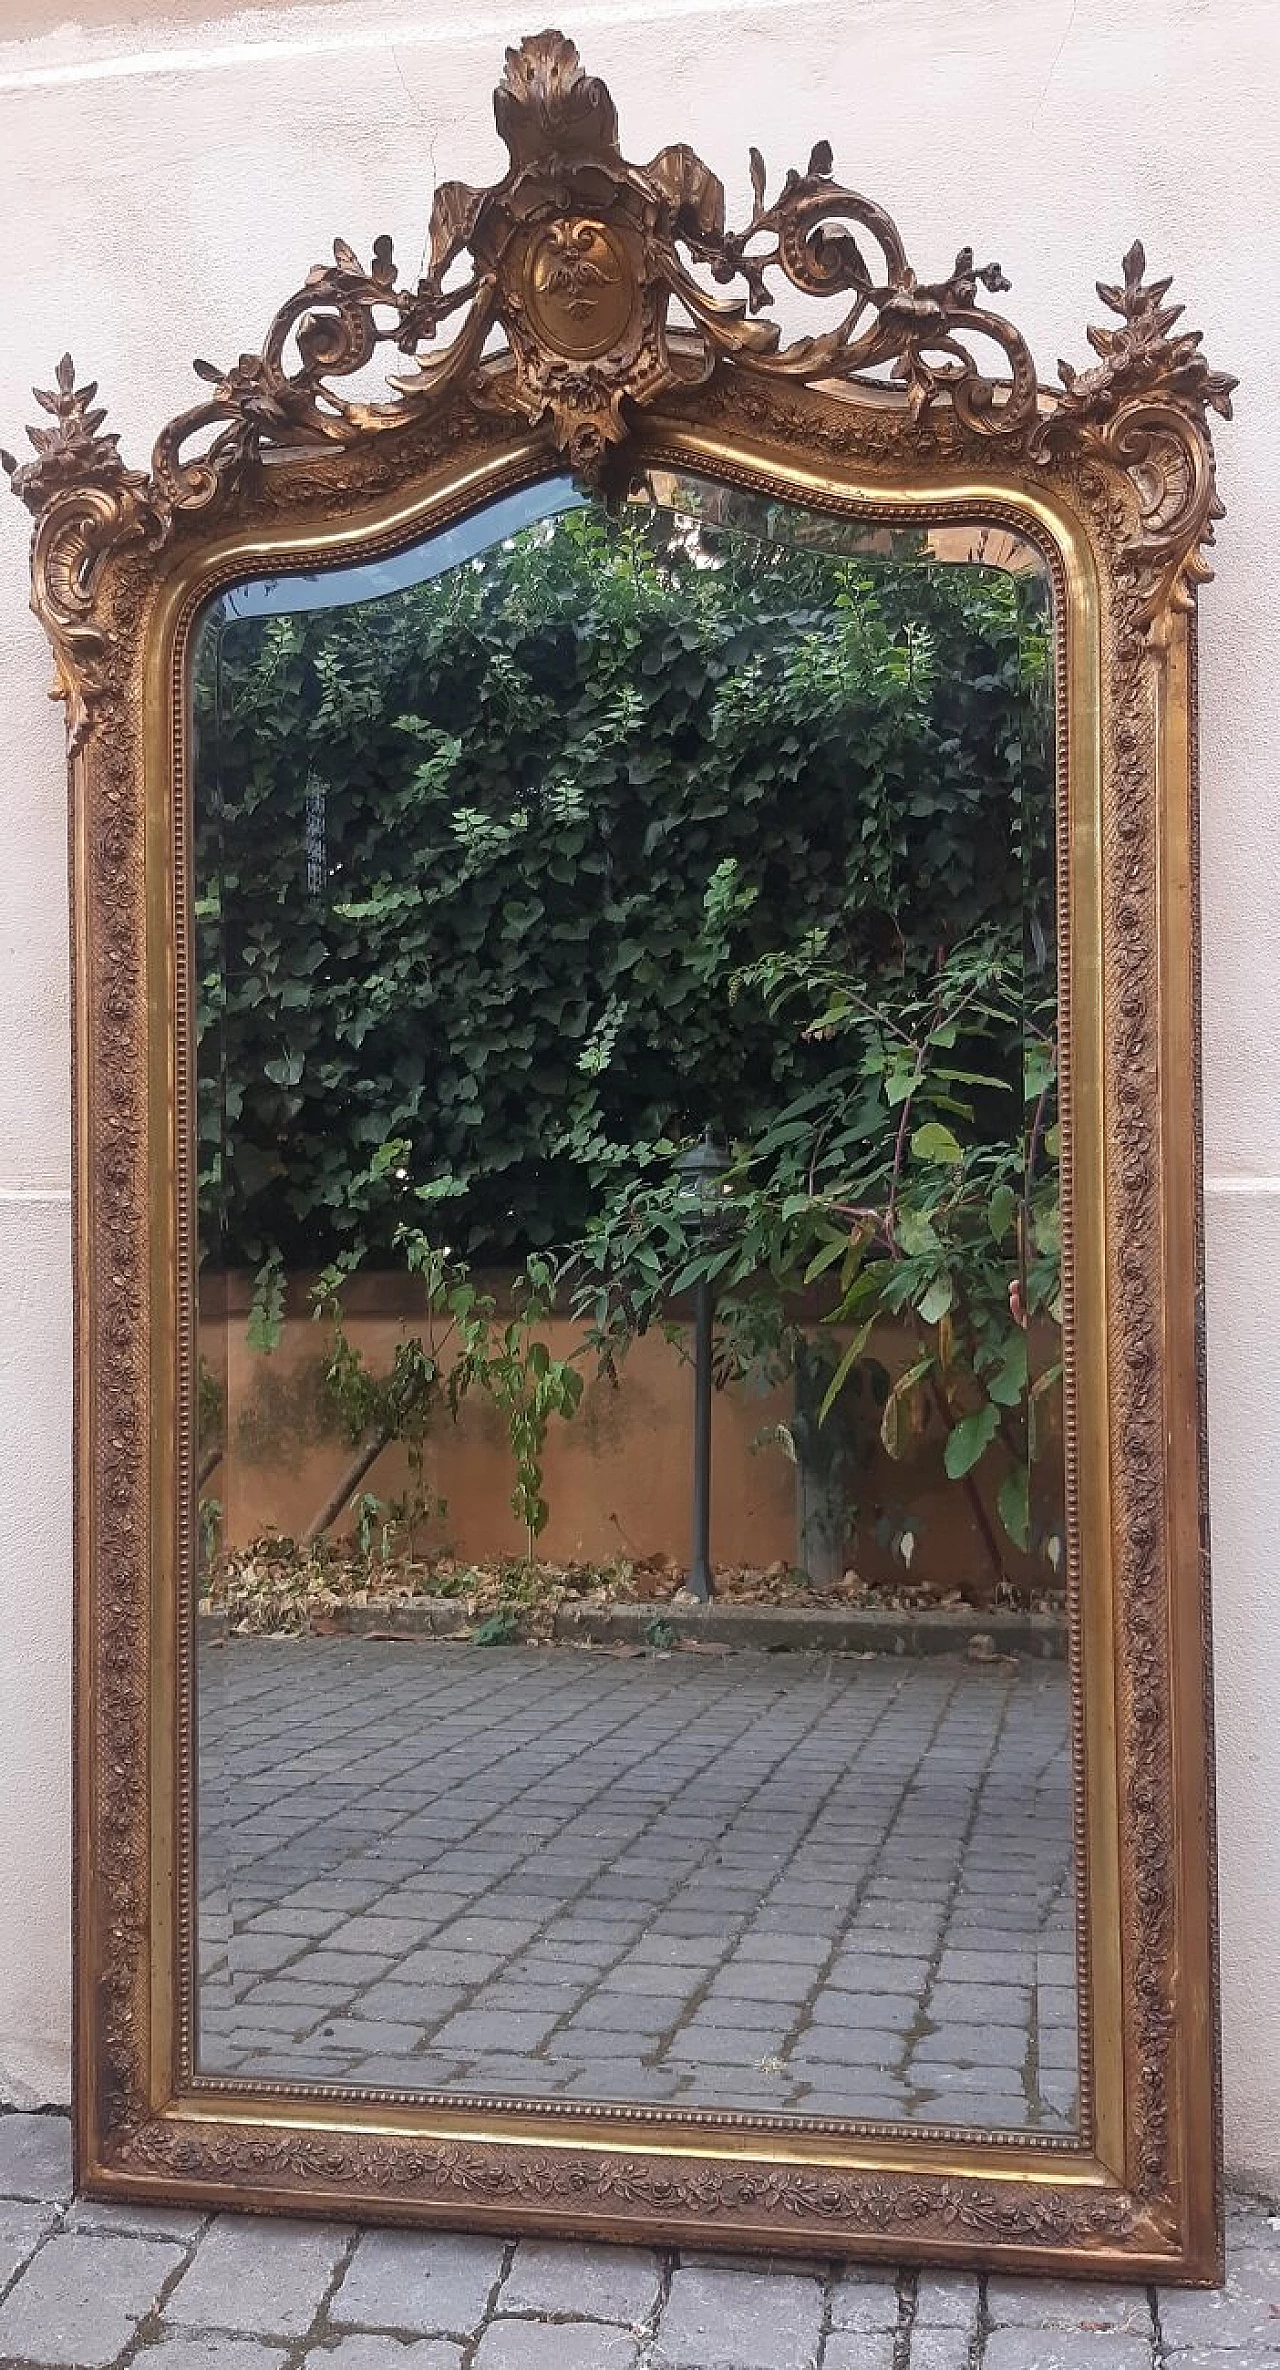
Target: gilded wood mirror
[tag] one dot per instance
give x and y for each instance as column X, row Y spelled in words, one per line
column 642, row 1605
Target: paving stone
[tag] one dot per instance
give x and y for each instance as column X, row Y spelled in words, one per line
column 135, row 2221
column 35, row 2156
column 870, row 2100
column 865, row 2302
column 263, row 2022
column 728, row 2320
column 772, row 1980
column 264, row 2277
column 1243, row 2313
column 548, row 1974
column 946, row 2300
column 373, row 2353
column 944, row 2079
column 1067, row 2304
column 305, row 1922
column 21, row 2229
column 596, row 2283
column 641, row 2020
column 368, row 2037
column 1058, row 2051
column 701, row 2053
column 845, row 2350
column 212, row 2349
column 513, row 1997
column 693, row 1950
column 344, row 1968
column 1223, row 2356
column 652, row 1981
column 978, row 2003
column 854, row 2047
column 386, row 1937
column 559, row 2345
column 80, row 2299
column 934, row 2348
column 335, row 1893
column 501, row 1935
column 433, row 2284
column 883, row 2012
column 472, row 2029
column 651, row 1844
column 262, row 1950
column 1064, row 2349
column 974, row 1966
column 973, row 2044
column 287, row 1991
column 407, row 2003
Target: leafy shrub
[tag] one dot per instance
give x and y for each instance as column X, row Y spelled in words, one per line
column 479, row 862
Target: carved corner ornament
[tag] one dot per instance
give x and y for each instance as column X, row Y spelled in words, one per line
column 600, row 278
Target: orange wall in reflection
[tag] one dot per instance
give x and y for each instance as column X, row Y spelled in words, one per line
column 617, row 1476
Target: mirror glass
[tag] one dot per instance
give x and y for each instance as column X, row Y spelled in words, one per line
column 632, row 1656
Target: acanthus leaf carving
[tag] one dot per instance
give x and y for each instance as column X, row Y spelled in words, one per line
column 86, row 503
column 1146, row 406
column 577, row 259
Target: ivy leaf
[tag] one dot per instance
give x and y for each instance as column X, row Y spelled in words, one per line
column 902, row 1076
column 1038, row 1067
column 937, row 1300
column 1046, row 1229
column 1001, row 1210
column 1007, row 1384
column 969, row 1440
column 935, row 1142
column 916, row 1234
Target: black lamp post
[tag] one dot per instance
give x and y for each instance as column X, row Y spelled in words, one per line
column 703, row 1197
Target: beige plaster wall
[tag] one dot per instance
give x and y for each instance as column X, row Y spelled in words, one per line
column 167, row 174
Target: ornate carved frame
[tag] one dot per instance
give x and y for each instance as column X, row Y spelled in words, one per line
column 565, row 348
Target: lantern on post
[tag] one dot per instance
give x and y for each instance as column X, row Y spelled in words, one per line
column 703, row 1197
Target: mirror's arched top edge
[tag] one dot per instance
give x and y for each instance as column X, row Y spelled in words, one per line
column 322, row 529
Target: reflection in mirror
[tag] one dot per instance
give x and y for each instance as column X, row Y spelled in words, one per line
column 628, row 1156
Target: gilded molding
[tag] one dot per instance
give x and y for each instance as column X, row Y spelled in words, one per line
column 771, row 2196
column 1147, row 406
column 578, row 261
column 577, row 257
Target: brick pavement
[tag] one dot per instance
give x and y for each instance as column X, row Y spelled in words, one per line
column 809, row 1883
column 85, row 2287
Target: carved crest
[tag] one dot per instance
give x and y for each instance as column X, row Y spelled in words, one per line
column 602, row 281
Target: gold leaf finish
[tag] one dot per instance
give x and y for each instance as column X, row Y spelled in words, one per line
column 590, row 312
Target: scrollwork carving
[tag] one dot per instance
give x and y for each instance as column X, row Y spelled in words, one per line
column 1146, row 406
column 577, row 258
column 86, row 504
